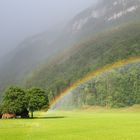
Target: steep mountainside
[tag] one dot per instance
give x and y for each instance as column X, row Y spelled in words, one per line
column 94, row 20
column 106, row 48
column 103, row 16
column 25, row 57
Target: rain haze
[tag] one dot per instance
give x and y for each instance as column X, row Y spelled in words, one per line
column 22, row 18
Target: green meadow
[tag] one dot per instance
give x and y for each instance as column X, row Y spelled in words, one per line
column 89, row 124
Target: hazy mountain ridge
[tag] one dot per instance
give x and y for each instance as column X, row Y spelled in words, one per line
column 29, row 53
column 38, row 49
column 104, row 15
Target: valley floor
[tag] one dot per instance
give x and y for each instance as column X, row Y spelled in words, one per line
column 90, row 124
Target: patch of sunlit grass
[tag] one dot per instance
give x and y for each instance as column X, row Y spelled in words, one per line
column 89, row 124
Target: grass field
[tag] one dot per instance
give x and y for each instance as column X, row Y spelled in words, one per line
column 92, row 124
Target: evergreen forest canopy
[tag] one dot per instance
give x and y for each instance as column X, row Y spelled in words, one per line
column 111, row 46
column 113, row 89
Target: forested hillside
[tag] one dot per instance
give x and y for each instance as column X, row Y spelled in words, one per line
column 106, row 48
column 118, row 87
column 39, row 49
column 99, row 35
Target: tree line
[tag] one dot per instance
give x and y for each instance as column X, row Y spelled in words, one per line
column 114, row 89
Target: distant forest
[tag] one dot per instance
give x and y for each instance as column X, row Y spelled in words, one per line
column 116, row 88
column 106, row 48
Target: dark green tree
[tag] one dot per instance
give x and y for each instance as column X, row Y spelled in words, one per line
column 14, row 101
column 37, row 99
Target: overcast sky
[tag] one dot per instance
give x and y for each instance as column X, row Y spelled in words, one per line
column 22, row 18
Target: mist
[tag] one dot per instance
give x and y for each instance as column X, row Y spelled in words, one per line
column 20, row 19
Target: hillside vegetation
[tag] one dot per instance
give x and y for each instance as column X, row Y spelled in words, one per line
column 115, row 88
column 116, row 44
column 99, row 35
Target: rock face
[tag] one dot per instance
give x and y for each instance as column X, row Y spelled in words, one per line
column 104, row 15
column 8, row 116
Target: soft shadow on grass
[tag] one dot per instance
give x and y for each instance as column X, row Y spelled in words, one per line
column 39, row 118
column 51, row 117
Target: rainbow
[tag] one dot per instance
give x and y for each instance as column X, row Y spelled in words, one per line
column 92, row 74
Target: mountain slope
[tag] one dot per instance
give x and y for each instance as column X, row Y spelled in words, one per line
column 113, row 45
column 30, row 53
column 103, row 16
column 40, row 49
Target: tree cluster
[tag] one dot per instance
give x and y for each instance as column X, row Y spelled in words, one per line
column 20, row 102
column 114, row 89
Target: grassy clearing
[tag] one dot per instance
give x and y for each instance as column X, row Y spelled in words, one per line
column 97, row 124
